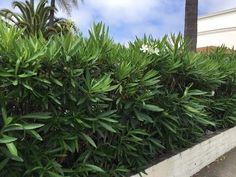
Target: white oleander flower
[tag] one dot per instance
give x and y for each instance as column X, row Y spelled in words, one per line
column 156, row 51
column 144, row 48
column 149, row 49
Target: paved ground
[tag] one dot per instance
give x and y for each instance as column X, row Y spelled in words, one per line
column 225, row 166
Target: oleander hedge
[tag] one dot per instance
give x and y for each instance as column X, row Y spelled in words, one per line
column 88, row 107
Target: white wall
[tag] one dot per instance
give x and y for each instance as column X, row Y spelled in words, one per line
column 217, row 29
column 228, row 38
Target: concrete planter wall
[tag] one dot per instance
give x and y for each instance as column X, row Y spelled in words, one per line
column 192, row 160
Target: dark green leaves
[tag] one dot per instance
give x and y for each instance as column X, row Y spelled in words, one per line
column 74, row 106
column 3, row 163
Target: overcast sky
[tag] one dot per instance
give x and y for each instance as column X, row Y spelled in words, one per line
column 129, row 18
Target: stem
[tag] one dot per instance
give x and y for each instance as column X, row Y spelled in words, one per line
column 52, row 13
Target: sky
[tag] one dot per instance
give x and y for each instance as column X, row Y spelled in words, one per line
column 127, row 19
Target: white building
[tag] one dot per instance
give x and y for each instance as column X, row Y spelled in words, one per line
column 217, row 29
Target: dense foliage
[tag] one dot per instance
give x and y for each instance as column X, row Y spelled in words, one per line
column 88, row 107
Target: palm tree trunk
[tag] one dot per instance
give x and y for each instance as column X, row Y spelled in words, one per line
column 190, row 29
column 32, row 2
column 52, row 13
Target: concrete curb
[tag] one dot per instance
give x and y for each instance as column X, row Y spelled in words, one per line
column 192, row 160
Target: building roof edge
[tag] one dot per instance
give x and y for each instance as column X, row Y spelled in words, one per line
column 217, row 13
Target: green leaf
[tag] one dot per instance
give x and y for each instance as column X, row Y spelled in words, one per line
column 168, row 125
column 107, row 113
column 157, row 143
column 9, row 120
column 25, row 75
column 143, row 117
column 94, row 168
column 107, row 127
column 3, row 163
column 4, row 114
column 138, row 132
column 109, row 120
column 52, row 174
column 12, row 149
column 7, row 139
column 43, row 80
column 28, row 87
column 204, row 121
column 36, row 135
column 8, row 154
column 12, row 127
column 57, row 82
column 36, row 55
column 90, row 140
column 2, row 74
column 153, row 108
column 31, row 126
column 38, row 115
column 55, row 99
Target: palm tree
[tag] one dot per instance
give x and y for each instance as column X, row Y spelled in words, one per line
column 190, row 29
column 32, row 20
column 35, row 21
column 64, row 4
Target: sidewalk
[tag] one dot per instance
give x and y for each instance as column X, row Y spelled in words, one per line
column 225, row 166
